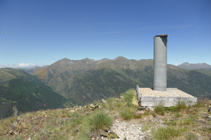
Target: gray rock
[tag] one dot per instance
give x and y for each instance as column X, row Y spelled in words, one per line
column 104, row 101
column 92, row 106
column 198, row 135
column 150, row 108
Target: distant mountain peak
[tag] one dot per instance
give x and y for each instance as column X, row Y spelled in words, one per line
column 88, row 60
column 120, row 58
column 191, row 66
column 65, row 59
column 185, row 63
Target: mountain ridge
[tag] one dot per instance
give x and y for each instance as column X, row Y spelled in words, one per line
column 191, row 66
column 66, row 77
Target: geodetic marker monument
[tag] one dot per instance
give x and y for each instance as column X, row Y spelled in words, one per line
column 160, row 93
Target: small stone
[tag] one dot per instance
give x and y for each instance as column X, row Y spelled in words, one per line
column 12, row 127
column 104, row 101
column 92, row 106
column 150, row 108
column 198, row 135
column 121, row 97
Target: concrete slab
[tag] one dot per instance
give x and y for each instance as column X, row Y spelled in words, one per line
column 170, row 97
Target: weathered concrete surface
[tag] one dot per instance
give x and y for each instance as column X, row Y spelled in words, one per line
column 170, row 97
column 160, row 63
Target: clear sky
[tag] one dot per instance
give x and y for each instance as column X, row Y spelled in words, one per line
column 44, row 31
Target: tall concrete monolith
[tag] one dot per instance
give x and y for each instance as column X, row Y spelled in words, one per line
column 160, row 93
column 160, row 62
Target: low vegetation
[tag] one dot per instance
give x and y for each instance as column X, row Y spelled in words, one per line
column 159, row 109
column 83, row 123
column 167, row 133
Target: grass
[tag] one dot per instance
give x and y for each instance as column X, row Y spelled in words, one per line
column 127, row 113
column 82, row 136
column 124, row 106
column 187, row 121
column 178, row 115
column 76, row 120
column 146, row 126
column 190, row 136
column 166, row 133
column 201, row 103
column 99, row 120
column 110, row 103
column 159, row 109
column 128, row 97
column 180, row 105
column 172, row 123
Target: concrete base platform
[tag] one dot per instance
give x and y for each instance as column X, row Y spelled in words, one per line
column 170, row 97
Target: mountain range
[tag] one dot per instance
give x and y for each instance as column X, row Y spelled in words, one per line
column 80, row 82
column 84, row 81
column 189, row 66
column 199, row 67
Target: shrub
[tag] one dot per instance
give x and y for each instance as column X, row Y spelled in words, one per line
column 76, row 121
column 110, row 103
column 128, row 97
column 190, row 136
column 147, row 112
column 153, row 114
column 159, row 109
column 180, row 105
column 166, row 133
column 188, row 121
column 82, row 136
column 172, row 123
column 172, row 108
column 127, row 113
column 99, row 120
column 199, row 104
column 177, row 115
column 165, row 120
column 118, row 105
column 145, row 127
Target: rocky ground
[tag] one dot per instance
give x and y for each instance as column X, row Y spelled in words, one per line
column 129, row 130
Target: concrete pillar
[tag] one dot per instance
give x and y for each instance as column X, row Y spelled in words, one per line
column 160, row 62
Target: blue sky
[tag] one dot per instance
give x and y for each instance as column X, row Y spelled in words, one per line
column 44, row 31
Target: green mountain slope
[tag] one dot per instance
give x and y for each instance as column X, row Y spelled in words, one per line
column 25, row 92
column 34, row 69
column 190, row 81
column 204, row 71
column 95, row 85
